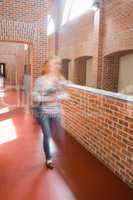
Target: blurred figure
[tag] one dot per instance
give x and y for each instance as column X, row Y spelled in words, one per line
column 48, row 92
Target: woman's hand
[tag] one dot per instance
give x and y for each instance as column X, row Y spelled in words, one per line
column 50, row 99
column 63, row 96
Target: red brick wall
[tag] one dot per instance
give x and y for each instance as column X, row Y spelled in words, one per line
column 117, row 38
column 99, row 34
column 118, row 26
column 76, row 40
column 25, row 21
column 76, row 37
column 51, row 45
column 104, row 126
column 13, row 55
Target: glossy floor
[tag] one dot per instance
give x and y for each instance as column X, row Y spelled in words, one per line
column 23, row 175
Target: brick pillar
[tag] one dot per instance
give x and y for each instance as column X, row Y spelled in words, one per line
column 56, row 42
column 58, row 20
column 98, row 45
column 40, row 45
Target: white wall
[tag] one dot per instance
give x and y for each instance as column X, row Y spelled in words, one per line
column 125, row 84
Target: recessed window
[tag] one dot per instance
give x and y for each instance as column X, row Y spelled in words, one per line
column 75, row 8
column 51, row 25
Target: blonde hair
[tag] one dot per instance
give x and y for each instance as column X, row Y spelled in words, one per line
column 45, row 67
column 54, row 58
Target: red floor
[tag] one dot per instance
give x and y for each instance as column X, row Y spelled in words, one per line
column 23, row 176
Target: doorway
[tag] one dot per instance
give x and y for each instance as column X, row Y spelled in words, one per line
column 80, row 72
column 15, row 70
column 2, row 70
column 65, row 68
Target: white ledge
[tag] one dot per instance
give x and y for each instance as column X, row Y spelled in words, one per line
column 103, row 92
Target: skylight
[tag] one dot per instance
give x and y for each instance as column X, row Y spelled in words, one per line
column 75, row 8
column 51, row 25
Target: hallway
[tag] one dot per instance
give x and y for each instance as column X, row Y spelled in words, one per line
column 77, row 175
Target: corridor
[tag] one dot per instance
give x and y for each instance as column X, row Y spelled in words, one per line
column 23, row 176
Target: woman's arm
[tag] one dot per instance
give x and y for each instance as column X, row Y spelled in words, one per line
column 62, row 93
column 37, row 93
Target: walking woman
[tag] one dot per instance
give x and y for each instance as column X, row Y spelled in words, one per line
column 48, row 92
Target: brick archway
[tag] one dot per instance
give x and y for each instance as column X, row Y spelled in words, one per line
column 26, row 22
column 30, row 34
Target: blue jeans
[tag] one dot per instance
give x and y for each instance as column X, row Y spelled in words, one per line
column 45, row 122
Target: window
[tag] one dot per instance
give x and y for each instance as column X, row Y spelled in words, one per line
column 75, row 8
column 51, row 26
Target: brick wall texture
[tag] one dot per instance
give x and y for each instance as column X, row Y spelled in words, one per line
column 101, row 124
column 14, row 56
column 25, row 21
column 104, row 126
column 99, row 34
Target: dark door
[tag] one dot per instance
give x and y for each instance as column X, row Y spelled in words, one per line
column 2, row 70
column 80, row 71
column 65, row 67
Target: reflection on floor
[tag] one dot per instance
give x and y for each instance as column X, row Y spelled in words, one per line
column 23, row 176
column 1, row 82
column 10, row 98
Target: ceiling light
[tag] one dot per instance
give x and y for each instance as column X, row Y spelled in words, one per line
column 95, row 5
column 25, row 47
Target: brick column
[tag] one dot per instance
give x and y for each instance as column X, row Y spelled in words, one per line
column 98, row 45
column 40, row 44
column 58, row 20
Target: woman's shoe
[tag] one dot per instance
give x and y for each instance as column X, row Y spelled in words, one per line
column 49, row 164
